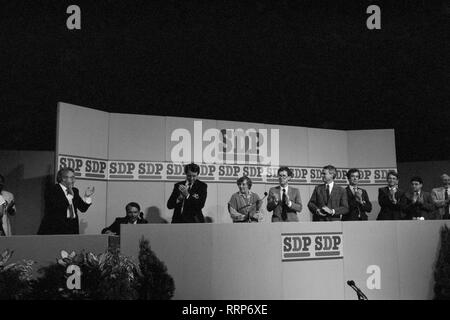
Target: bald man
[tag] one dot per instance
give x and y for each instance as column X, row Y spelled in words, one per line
column 441, row 197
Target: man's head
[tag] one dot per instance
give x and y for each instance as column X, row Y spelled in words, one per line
column 416, row 184
column 284, row 176
column 392, row 178
column 133, row 210
column 66, row 176
column 244, row 184
column 328, row 174
column 353, row 176
column 445, row 178
column 191, row 170
column 2, row 182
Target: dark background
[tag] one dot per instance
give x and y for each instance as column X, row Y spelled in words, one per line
column 300, row 63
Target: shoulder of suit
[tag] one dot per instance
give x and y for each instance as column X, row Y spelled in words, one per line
column 201, row 183
column 437, row 189
column 274, row 188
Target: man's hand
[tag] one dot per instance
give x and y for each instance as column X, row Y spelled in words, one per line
column 319, row 212
column 327, row 210
column 89, row 192
column 183, row 189
column 110, row 233
column 358, row 195
column 286, row 200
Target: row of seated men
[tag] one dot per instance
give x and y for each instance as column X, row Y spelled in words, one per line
column 329, row 202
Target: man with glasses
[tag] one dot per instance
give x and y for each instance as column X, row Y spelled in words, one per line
column 188, row 197
column 284, row 200
column 62, row 204
column 418, row 203
column 390, row 199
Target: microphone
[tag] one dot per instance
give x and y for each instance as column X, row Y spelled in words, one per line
column 361, row 295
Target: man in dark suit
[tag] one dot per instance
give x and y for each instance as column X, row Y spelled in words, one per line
column 358, row 199
column 390, row 199
column 418, row 204
column 284, row 200
column 133, row 216
column 188, row 197
column 328, row 201
column 62, row 204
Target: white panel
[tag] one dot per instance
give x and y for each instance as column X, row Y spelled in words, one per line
column 137, row 137
column 293, row 146
column 371, row 148
column 327, row 147
column 82, row 131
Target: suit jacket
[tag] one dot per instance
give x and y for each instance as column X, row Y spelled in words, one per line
column 55, row 219
column 425, row 208
column 189, row 210
column 115, row 226
column 438, row 197
column 337, row 201
column 357, row 211
column 390, row 211
column 294, row 196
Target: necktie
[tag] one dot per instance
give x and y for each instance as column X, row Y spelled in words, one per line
column 328, row 193
column 71, row 211
column 447, row 207
column 284, row 206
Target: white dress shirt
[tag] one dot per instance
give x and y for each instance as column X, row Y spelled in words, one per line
column 69, row 197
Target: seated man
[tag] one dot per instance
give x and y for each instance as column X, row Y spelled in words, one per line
column 418, row 204
column 133, row 216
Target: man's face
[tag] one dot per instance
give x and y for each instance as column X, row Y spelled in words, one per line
column 446, row 181
column 68, row 179
column 392, row 180
column 327, row 176
column 191, row 176
column 354, row 179
column 416, row 186
column 132, row 213
column 283, row 178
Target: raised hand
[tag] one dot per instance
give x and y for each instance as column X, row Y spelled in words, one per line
column 89, row 192
column 183, row 189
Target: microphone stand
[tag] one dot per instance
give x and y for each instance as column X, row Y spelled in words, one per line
column 252, row 204
column 361, row 295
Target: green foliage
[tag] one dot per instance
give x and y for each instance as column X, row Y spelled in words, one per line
column 155, row 282
column 442, row 270
column 15, row 278
column 108, row 276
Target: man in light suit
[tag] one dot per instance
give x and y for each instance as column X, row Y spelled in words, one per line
column 441, row 197
column 284, row 200
column 328, row 201
column 62, row 203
